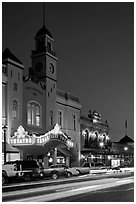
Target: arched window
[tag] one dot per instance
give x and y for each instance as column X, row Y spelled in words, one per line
column 33, row 114
column 48, row 46
column 15, row 109
column 51, row 118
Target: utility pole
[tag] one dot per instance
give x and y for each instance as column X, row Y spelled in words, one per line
column 4, row 130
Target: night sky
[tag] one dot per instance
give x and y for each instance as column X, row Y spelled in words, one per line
column 94, row 44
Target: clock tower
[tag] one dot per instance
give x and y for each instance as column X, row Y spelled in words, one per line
column 43, row 71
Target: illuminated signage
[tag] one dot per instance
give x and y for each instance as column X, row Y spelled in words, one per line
column 21, row 137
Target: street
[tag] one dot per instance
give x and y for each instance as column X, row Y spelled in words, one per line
column 101, row 188
column 123, row 193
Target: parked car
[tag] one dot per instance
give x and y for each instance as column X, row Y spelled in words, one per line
column 9, row 170
column 21, row 169
column 4, row 177
column 84, row 169
column 55, row 171
column 99, row 164
column 71, row 171
column 98, row 168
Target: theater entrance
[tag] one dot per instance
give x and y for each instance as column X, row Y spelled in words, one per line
column 51, row 148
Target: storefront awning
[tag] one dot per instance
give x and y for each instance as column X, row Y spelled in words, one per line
column 66, row 152
column 9, row 148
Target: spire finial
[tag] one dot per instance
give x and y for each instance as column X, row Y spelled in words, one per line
column 43, row 13
column 126, row 126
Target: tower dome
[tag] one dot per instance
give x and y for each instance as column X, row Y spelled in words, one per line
column 43, row 31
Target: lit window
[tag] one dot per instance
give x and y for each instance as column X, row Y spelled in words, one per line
column 74, row 121
column 14, row 109
column 37, row 116
column 60, row 118
column 51, row 118
column 33, row 114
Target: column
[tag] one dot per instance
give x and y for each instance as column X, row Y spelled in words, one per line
column 67, row 161
column 54, row 156
column 45, row 161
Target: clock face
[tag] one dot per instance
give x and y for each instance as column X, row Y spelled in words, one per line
column 52, row 68
column 38, row 67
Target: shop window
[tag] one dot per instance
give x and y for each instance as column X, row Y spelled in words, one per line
column 15, row 109
column 60, row 118
column 33, row 114
column 51, row 118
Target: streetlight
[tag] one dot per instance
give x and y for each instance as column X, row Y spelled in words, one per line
column 101, row 144
column 125, row 148
column 4, row 130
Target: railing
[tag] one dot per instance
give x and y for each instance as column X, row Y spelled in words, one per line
column 67, row 96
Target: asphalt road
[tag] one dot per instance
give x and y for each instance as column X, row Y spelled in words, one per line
column 123, row 193
column 115, row 187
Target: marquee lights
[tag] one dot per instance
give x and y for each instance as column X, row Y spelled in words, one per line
column 94, row 134
column 21, row 137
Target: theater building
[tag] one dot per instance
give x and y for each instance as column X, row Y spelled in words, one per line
column 95, row 140
column 42, row 122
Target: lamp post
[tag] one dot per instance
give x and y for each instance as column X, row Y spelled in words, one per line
column 101, row 144
column 125, row 148
column 4, row 130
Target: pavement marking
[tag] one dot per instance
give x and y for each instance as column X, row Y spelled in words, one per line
column 83, row 175
column 125, row 180
column 85, row 188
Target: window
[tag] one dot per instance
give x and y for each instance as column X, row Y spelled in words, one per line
column 14, row 109
column 33, row 114
column 48, row 46
column 60, row 118
column 74, row 121
column 86, row 138
column 15, row 86
column 51, row 118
